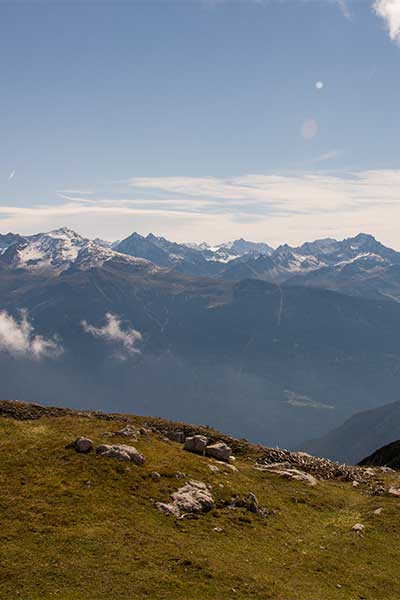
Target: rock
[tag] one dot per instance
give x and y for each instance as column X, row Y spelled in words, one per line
column 387, row 469
column 220, row 451
column 168, row 509
column 377, row 511
column 192, row 498
column 196, row 443
column 175, row 436
column 128, row 431
column 232, row 468
column 145, row 432
column 369, row 471
column 214, row 468
column 392, row 491
column 121, row 452
column 250, row 503
column 355, row 484
column 155, row 475
column 301, row 454
column 82, row 444
column 289, row 473
column 218, row 529
column 273, row 466
column 358, row 528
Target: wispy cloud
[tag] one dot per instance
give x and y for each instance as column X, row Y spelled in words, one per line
column 331, row 155
column 11, row 175
column 126, row 339
column 389, row 10
column 268, row 207
column 344, row 7
column 78, row 192
column 18, row 338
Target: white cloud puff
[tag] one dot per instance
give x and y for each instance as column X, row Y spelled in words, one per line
column 17, row 338
column 112, row 332
column 389, row 10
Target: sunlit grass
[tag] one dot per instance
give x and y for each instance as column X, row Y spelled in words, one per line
column 80, row 527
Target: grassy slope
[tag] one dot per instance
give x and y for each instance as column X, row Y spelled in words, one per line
column 60, row 538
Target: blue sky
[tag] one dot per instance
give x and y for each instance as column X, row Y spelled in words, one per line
column 201, row 119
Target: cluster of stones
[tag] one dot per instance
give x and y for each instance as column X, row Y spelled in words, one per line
column 321, row 468
column 118, row 451
column 199, row 445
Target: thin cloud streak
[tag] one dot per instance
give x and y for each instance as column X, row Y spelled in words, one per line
column 331, row 155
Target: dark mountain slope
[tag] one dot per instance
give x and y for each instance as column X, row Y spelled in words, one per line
column 277, row 365
column 387, row 456
column 167, row 254
column 360, row 435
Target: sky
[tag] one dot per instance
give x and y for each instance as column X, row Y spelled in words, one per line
column 201, row 120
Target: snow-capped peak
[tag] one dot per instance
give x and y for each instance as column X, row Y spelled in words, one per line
column 63, row 232
column 62, row 248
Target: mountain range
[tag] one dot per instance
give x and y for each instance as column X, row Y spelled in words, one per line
column 359, row 266
column 280, row 345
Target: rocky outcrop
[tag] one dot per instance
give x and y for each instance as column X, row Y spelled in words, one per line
column 192, row 498
column 199, row 444
column 320, row 468
column 121, row 452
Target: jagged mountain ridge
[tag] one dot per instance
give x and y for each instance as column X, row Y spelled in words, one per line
column 360, row 265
